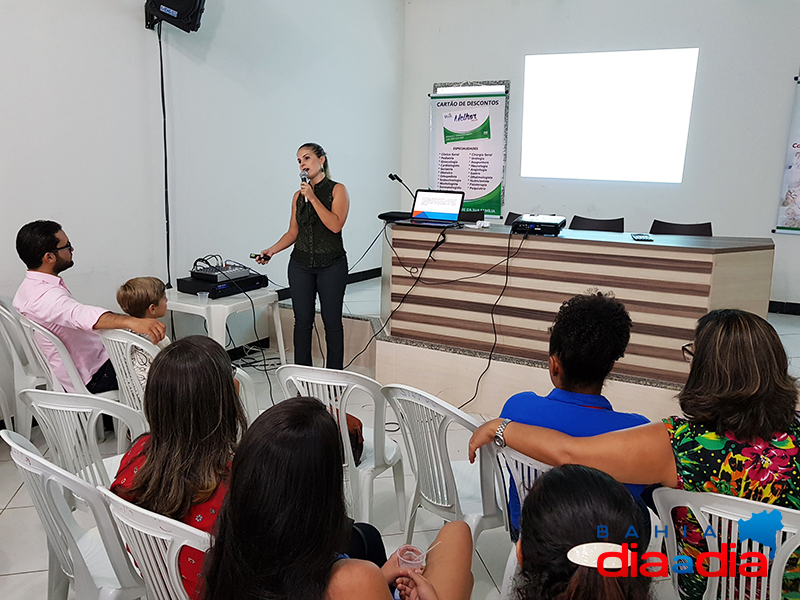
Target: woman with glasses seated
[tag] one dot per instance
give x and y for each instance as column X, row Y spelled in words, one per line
column 181, row 468
column 283, row 530
column 739, row 436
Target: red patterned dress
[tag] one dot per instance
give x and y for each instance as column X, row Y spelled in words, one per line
column 201, row 516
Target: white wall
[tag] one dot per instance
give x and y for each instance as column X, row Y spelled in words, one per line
column 80, row 124
column 80, row 118
column 749, row 53
column 79, row 138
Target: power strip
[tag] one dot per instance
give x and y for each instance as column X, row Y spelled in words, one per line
column 219, row 274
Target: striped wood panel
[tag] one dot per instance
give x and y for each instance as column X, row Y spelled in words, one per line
column 665, row 291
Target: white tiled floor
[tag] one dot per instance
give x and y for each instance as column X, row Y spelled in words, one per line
column 23, row 552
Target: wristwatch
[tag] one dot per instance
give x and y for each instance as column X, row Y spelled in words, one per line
column 499, row 440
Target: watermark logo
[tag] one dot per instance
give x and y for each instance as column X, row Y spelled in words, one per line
column 614, row 560
column 461, row 117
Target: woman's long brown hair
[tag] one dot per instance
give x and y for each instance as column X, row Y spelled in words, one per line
column 196, row 419
column 739, row 380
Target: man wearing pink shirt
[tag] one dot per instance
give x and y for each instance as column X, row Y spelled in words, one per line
column 44, row 298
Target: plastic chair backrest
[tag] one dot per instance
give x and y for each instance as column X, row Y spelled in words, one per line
column 424, row 420
column 27, row 371
column 247, row 394
column 12, row 328
column 38, row 336
column 722, row 514
column 69, row 422
column 523, row 469
column 667, row 228
column 123, row 348
column 46, row 483
column 335, row 388
column 155, row 543
column 589, row 224
column 8, row 393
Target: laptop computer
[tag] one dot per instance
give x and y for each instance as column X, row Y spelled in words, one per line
column 435, row 208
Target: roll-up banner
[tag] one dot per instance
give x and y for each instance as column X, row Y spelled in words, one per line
column 468, row 148
column 789, row 211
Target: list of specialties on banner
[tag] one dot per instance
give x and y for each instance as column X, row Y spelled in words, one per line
column 468, row 148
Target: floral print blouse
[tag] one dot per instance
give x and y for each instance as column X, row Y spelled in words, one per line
column 761, row 470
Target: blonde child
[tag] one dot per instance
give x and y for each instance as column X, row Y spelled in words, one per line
column 144, row 298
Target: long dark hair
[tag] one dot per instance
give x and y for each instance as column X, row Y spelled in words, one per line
column 283, row 521
column 739, row 380
column 195, row 418
column 563, row 510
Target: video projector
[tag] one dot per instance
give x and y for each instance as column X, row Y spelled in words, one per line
column 539, row 224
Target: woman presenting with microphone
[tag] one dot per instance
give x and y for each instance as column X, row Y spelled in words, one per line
column 318, row 263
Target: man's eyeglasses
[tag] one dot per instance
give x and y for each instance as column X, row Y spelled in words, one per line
column 67, row 247
column 688, row 351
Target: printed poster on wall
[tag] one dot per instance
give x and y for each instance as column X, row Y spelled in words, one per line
column 468, row 148
column 789, row 211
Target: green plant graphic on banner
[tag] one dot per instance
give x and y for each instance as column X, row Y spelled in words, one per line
column 482, row 132
column 487, row 203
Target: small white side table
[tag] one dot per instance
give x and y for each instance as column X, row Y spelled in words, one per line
column 216, row 312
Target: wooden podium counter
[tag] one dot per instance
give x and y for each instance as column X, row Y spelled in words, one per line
column 666, row 285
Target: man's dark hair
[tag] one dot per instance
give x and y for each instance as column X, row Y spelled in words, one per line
column 590, row 332
column 35, row 240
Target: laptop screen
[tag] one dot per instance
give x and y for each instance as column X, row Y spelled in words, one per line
column 437, row 205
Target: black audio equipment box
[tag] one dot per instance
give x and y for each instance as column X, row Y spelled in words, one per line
column 192, row 285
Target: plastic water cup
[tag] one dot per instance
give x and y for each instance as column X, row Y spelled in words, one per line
column 410, row 557
column 203, row 298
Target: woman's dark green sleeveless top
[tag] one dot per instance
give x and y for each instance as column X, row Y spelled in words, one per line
column 316, row 246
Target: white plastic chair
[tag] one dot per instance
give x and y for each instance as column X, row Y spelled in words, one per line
column 335, row 389
column 525, row 471
column 28, row 373
column 69, row 421
column 247, row 394
column 92, row 559
column 121, row 345
column 8, row 395
column 33, row 331
column 451, row 490
column 155, row 542
column 722, row 514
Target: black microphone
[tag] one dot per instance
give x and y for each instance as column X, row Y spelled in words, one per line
column 396, row 177
column 304, row 179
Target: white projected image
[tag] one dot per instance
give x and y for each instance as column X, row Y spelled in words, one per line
column 619, row 116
